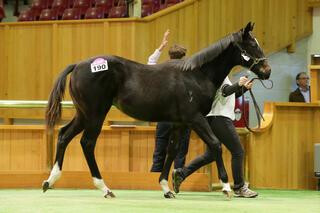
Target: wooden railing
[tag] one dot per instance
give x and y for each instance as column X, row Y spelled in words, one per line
column 16, row 109
column 279, row 156
column 124, row 154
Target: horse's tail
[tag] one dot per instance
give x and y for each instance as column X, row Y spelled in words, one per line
column 53, row 112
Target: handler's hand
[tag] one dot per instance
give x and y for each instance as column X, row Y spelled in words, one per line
column 248, row 85
column 164, row 40
column 244, row 81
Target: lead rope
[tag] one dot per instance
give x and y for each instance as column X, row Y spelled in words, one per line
column 255, row 104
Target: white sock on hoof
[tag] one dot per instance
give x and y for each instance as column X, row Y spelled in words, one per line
column 55, row 174
column 225, row 186
column 164, row 186
column 99, row 183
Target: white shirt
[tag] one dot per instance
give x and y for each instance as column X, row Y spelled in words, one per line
column 223, row 106
column 306, row 95
column 153, row 59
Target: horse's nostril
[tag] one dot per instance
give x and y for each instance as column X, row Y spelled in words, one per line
column 268, row 68
column 268, row 73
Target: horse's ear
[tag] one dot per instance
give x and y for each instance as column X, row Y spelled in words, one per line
column 247, row 29
column 252, row 25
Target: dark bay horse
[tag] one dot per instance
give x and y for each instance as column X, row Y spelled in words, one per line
column 178, row 91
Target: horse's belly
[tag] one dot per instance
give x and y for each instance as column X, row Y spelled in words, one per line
column 148, row 108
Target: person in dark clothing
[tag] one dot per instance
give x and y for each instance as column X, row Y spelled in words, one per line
column 163, row 129
column 220, row 119
column 302, row 93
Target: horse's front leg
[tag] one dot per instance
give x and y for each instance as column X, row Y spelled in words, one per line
column 201, row 126
column 173, row 147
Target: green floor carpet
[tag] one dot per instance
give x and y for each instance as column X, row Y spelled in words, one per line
column 134, row 201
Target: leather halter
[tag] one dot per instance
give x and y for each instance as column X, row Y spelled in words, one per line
column 255, row 60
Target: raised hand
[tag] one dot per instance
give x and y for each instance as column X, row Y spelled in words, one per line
column 164, row 40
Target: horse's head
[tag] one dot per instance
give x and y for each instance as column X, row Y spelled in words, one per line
column 251, row 54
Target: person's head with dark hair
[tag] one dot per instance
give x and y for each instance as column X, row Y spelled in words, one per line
column 177, row 52
column 302, row 80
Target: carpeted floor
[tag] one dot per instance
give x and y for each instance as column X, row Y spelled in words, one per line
column 134, row 201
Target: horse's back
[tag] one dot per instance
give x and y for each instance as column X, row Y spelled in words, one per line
column 146, row 92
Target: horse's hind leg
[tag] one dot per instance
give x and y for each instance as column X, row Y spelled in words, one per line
column 173, row 148
column 88, row 142
column 66, row 134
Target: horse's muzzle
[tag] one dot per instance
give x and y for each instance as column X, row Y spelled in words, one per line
column 266, row 70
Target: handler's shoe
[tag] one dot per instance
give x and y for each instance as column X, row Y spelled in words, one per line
column 177, row 179
column 244, row 191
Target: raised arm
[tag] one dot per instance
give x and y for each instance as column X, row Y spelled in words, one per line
column 153, row 59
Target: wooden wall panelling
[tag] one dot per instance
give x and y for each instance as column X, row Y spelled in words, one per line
column 29, row 62
column 281, row 156
column 22, row 150
column 303, row 19
column 35, row 53
column 4, row 39
column 315, row 82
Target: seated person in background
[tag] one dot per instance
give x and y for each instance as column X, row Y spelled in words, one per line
column 302, row 93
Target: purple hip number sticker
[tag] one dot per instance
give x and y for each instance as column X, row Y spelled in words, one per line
column 99, row 65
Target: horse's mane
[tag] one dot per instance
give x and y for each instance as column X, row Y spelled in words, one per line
column 197, row 60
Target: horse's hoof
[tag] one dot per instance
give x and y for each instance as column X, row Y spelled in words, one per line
column 109, row 195
column 45, row 186
column 228, row 194
column 169, row 195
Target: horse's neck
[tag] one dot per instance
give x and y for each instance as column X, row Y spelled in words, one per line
column 218, row 69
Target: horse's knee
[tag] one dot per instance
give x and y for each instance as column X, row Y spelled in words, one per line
column 63, row 137
column 87, row 144
column 209, row 157
column 63, row 129
column 238, row 154
column 62, row 142
column 60, row 134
